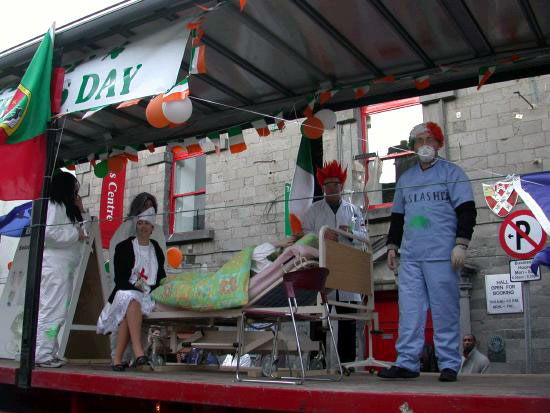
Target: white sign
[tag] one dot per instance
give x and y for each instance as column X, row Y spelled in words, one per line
column 503, row 296
column 521, row 271
column 146, row 66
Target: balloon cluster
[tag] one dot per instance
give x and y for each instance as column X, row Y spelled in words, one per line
column 161, row 114
column 314, row 126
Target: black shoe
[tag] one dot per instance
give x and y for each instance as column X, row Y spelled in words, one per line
column 142, row 361
column 447, row 375
column 118, row 367
column 395, row 372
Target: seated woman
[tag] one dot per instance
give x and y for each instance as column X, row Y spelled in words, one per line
column 139, row 268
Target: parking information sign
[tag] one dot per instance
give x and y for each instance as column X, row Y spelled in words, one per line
column 503, row 296
column 521, row 236
column 521, row 271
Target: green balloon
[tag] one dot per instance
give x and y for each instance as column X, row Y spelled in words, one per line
column 100, row 169
column 107, row 266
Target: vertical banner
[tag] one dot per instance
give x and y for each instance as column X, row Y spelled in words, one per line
column 111, row 206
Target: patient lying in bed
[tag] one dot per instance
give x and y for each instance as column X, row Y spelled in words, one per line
column 231, row 286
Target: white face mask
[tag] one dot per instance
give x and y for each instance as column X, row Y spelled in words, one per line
column 426, row 153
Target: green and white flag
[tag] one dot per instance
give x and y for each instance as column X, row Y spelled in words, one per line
column 29, row 109
column 303, row 186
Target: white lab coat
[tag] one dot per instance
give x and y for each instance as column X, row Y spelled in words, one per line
column 59, row 262
column 319, row 214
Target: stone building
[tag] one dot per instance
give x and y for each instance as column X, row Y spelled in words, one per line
column 232, row 201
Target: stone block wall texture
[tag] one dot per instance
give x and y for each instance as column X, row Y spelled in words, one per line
column 496, row 135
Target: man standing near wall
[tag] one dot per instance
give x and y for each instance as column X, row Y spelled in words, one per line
column 473, row 362
column 434, row 215
column 335, row 212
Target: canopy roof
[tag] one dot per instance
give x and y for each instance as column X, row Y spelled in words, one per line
column 276, row 52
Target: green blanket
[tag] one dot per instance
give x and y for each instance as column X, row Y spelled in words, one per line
column 225, row 288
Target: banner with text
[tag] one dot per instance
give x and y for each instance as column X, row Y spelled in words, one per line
column 111, row 205
column 144, row 66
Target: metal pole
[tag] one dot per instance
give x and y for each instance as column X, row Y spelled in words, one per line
column 527, row 329
column 34, row 267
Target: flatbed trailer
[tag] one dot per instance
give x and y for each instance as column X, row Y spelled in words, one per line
column 83, row 388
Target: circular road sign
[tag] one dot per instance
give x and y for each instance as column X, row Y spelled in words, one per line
column 521, row 236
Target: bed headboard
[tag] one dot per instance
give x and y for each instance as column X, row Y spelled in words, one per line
column 350, row 268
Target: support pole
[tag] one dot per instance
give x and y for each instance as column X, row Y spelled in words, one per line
column 527, row 328
column 34, row 267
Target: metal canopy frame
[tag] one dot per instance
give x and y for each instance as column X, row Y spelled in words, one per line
column 309, row 44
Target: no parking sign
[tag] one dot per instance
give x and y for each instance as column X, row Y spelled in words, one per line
column 521, row 236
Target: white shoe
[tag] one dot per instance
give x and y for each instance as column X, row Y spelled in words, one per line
column 60, row 360
column 51, row 364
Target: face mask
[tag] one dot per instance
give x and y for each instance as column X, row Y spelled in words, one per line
column 426, row 153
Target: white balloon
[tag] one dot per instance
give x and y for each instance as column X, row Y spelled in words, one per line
column 327, row 116
column 177, row 111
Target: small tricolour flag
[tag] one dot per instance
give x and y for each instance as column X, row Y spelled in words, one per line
column 360, row 91
column 325, row 96
column 484, row 74
column 261, row 127
column 150, row 146
column 198, row 63
column 310, row 104
column 192, row 145
column 129, row 103
column 422, row 82
column 131, row 153
column 279, row 120
column 179, row 92
column 215, row 139
column 236, row 140
column 385, row 79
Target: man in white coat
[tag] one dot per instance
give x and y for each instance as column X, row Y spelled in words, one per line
column 335, row 212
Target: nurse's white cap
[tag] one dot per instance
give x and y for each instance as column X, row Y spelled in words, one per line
column 147, row 215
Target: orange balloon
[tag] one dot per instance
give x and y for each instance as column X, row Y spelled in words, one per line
column 116, row 163
column 174, row 257
column 313, row 128
column 154, row 113
column 177, row 149
column 295, row 224
column 9, row 265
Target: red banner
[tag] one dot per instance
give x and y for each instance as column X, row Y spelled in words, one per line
column 111, row 206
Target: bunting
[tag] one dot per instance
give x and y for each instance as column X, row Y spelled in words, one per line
column 484, row 74
column 236, row 140
column 179, row 92
column 422, row 82
column 310, row 104
column 192, row 146
column 261, row 127
column 198, row 63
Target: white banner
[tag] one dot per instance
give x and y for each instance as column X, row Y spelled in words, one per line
column 146, row 66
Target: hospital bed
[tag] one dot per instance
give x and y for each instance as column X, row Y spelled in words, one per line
column 350, row 269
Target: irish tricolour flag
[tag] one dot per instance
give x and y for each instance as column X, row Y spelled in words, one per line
column 302, row 189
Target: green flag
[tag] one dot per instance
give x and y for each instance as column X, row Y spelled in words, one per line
column 29, row 110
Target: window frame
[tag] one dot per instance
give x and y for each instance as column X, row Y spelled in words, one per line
column 180, row 156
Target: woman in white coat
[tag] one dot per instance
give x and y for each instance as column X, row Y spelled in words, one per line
column 62, row 245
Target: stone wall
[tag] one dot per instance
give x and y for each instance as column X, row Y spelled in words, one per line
column 496, row 134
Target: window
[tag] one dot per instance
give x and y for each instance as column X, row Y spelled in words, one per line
column 386, row 128
column 187, row 192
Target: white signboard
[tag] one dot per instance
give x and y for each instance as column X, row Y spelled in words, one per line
column 521, row 271
column 145, row 66
column 503, row 296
